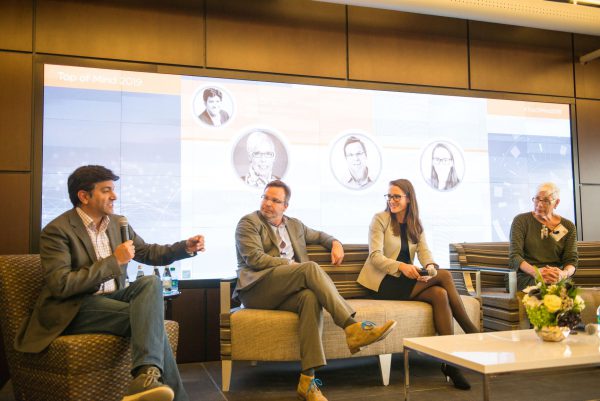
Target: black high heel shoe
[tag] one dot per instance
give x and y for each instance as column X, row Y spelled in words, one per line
column 457, row 377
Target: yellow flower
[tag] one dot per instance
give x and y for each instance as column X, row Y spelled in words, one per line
column 552, row 302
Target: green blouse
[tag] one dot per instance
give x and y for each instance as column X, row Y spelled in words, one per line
column 526, row 243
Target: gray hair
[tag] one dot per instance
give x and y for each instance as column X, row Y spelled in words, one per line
column 551, row 188
column 256, row 138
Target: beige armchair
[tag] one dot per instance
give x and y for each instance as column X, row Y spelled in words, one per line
column 75, row 367
column 502, row 308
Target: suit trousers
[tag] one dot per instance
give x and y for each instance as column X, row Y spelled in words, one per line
column 136, row 312
column 304, row 289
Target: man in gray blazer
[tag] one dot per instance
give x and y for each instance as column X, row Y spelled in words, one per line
column 85, row 262
column 274, row 272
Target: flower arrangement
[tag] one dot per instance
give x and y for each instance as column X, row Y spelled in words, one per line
column 555, row 306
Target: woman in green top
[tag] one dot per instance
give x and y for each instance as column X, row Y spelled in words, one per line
column 543, row 239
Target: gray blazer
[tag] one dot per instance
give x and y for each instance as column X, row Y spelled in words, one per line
column 72, row 272
column 258, row 250
column 384, row 248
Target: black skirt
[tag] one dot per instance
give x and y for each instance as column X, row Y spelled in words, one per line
column 395, row 288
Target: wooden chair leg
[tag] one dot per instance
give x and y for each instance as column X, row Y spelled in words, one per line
column 226, row 366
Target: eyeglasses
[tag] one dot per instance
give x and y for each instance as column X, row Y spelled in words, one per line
column 357, row 154
column 443, row 162
column 546, row 202
column 263, row 155
column 265, row 198
column 391, row 197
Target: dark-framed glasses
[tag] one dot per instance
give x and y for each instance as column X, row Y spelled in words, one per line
column 394, row 197
column 353, row 155
column 443, row 161
column 265, row 198
column 544, row 201
column 263, row 155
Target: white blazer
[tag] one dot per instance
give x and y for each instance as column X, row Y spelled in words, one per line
column 384, row 248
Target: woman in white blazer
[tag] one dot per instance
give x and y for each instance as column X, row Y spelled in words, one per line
column 395, row 236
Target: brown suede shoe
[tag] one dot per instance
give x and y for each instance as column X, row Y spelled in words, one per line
column 361, row 334
column 308, row 389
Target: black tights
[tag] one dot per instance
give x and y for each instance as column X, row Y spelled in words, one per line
column 441, row 294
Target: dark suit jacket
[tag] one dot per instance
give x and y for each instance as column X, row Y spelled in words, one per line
column 205, row 118
column 258, row 250
column 72, row 273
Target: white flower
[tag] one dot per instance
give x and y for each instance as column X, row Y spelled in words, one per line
column 553, row 289
column 578, row 302
column 531, row 287
column 531, row 302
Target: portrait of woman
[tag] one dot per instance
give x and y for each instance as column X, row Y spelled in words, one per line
column 396, row 235
column 443, row 174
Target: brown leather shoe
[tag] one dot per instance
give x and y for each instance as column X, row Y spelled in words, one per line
column 361, row 334
column 308, row 389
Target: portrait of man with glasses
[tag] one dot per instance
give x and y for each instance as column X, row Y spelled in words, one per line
column 355, row 161
column 355, row 153
column 263, row 157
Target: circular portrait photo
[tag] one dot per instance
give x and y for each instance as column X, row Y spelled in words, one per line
column 259, row 157
column 355, row 160
column 212, row 106
column 442, row 165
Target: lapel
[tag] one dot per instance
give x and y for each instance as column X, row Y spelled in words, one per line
column 113, row 232
column 270, row 231
column 294, row 235
column 82, row 234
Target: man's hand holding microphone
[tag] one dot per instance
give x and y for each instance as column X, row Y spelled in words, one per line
column 126, row 251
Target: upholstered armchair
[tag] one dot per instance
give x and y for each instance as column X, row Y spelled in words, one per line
column 502, row 307
column 75, row 367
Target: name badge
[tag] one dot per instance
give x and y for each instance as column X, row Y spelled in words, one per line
column 559, row 232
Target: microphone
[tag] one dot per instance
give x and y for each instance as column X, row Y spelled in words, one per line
column 429, row 271
column 124, row 224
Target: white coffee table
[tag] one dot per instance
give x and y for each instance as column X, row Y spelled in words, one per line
column 502, row 352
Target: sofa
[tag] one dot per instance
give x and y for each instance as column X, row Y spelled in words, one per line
column 502, row 309
column 270, row 335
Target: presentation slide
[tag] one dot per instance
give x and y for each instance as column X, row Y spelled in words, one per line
column 194, row 154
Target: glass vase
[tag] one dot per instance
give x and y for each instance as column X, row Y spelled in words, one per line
column 552, row 333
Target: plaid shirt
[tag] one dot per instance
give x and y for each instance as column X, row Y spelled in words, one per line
column 101, row 245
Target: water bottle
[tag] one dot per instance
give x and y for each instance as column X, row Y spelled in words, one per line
column 156, row 272
column 166, row 281
column 140, row 272
column 174, row 280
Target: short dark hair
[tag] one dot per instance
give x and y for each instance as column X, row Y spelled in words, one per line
column 280, row 184
column 354, row 139
column 85, row 178
column 212, row 92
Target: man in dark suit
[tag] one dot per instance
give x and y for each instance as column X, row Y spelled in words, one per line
column 274, row 272
column 213, row 114
column 85, row 263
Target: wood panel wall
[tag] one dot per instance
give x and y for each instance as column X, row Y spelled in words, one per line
column 295, row 40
